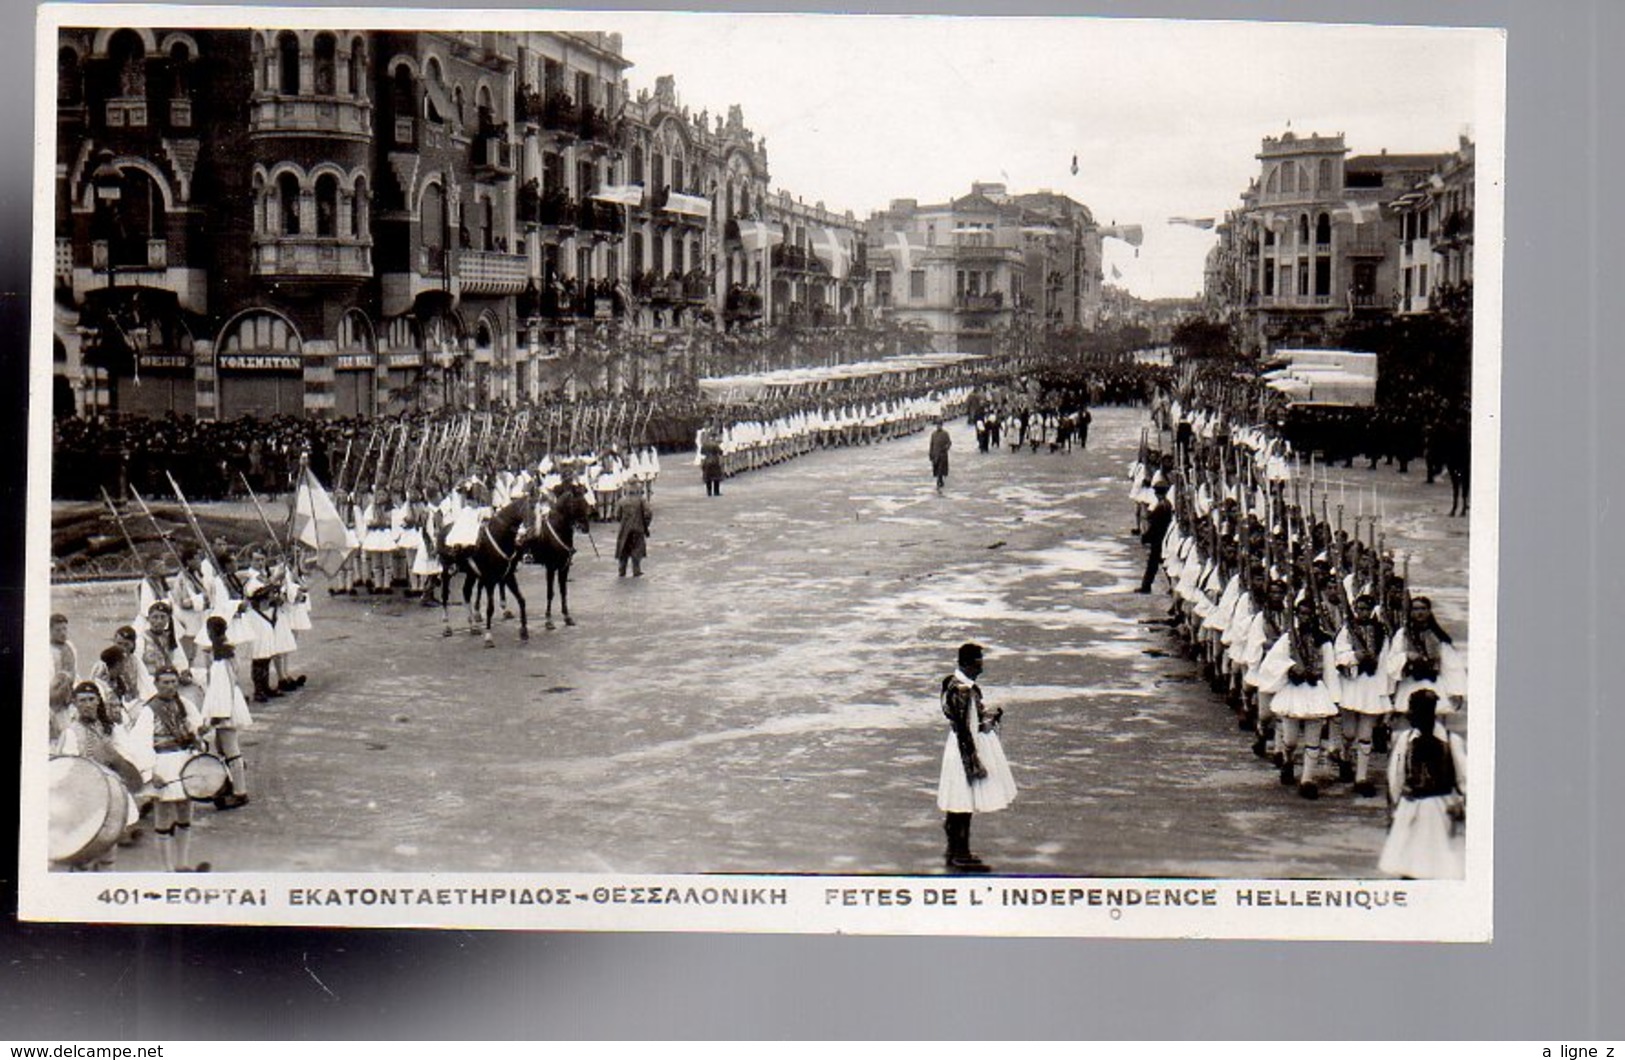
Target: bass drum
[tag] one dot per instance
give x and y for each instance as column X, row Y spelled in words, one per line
column 89, row 807
column 203, row 777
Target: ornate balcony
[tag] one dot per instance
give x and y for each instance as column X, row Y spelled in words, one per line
column 980, row 303
column 560, row 115
column 495, row 157
column 341, row 116
column 321, row 258
column 491, row 272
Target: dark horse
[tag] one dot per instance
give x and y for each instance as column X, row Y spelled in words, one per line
column 491, row 564
column 552, row 544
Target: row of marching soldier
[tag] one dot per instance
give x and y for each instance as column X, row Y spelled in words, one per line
column 1306, row 622
column 163, row 706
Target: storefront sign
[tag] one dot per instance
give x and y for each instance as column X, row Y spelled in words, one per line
column 259, row 362
column 406, row 359
column 161, row 361
column 349, row 362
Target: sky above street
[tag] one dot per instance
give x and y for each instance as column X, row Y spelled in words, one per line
column 1165, row 118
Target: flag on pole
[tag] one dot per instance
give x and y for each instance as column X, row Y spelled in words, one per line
column 1194, row 222
column 827, row 248
column 1133, row 235
column 898, row 244
column 318, row 526
column 1074, row 165
column 1117, row 274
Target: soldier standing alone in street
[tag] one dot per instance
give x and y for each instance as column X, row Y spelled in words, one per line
column 940, row 444
column 975, row 775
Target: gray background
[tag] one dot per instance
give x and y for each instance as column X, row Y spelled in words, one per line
column 1560, row 932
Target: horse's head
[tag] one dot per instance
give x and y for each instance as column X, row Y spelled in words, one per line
column 572, row 508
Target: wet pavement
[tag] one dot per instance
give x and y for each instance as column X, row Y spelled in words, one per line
column 765, row 700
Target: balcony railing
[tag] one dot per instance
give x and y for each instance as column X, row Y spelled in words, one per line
column 492, row 272
column 180, row 114
column 133, row 254
column 312, row 257
column 126, row 113
column 495, row 157
column 602, row 217
column 595, row 125
column 326, row 116
column 560, row 114
column 980, row 303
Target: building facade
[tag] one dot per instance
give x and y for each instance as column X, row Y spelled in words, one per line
column 1317, row 241
column 321, row 222
column 970, row 269
column 1436, row 234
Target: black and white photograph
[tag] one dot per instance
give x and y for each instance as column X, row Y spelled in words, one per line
column 793, row 473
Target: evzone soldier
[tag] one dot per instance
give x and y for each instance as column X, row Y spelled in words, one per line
column 1301, row 669
column 177, row 734
column 1365, row 699
column 975, row 777
column 225, row 709
column 1421, row 655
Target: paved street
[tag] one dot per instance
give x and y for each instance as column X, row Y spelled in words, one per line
column 765, row 699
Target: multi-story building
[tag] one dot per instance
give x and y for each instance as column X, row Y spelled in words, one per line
column 321, row 222
column 1435, row 220
column 1315, row 241
column 818, row 271
column 968, row 269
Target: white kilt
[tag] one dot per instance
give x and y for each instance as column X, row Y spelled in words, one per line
column 956, row 794
column 1420, row 842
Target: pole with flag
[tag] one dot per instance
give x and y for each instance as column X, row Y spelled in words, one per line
column 317, row 524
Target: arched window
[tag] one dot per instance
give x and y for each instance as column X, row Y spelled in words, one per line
column 287, row 47
column 326, row 68
column 287, row 193
column 487, row 222
column 677, row 175
column 69, row 90
column 327, row 205
column 1303, row 228
column 657, row 172
column 129, row 59
column 261, row 332
column 432, row 217
column 180, row 71
column 1323, row 230
column 355, row 331
column 635, row 175
column 137, row 218
column 431, row 75
column 744, row 200
column 457, row 105
column 403, row 93
column 1325, row 174
column 358, row 209
column 358, row 68
column 486, row 113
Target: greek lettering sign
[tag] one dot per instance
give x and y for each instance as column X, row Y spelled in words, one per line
column 259, row 362
column 349, row 362
column 162, row 361
column 407, row 359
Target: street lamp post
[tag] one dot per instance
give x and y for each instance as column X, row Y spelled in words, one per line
column 108, row 183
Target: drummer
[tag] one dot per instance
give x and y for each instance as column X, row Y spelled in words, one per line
column 177, row 735
column 93, row 733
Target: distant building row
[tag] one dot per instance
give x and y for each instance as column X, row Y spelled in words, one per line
column 1322, row 238
column 320, row 222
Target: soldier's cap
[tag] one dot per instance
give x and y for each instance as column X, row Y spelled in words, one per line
column 163, row 606
column 166, row 670
column 88, row 686
column 59, row 618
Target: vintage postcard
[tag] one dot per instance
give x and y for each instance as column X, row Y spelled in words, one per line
column 770, row 473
